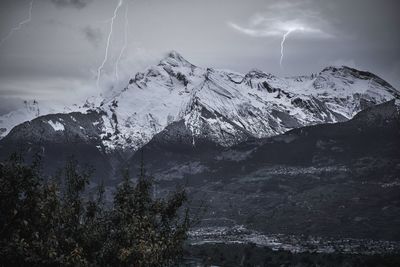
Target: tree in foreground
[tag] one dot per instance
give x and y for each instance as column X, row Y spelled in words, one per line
column 46, row 223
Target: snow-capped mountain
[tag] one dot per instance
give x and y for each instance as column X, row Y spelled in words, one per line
column 223, row 106
column 229, row 107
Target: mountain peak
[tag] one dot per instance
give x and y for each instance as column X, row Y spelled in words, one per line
column 175, row 55
column 175, row 59
column 259, row 74
column 345, row 71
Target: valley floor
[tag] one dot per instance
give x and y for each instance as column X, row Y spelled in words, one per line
column 238, row 246
column 238, row 254
column 291, row 243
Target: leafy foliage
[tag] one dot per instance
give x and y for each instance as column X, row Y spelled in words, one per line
column 45, row 222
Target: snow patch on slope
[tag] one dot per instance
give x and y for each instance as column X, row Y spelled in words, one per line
column 57, row 126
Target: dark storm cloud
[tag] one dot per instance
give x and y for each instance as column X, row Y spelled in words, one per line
column 71, row 3
column 93, row 35
column 55, row 51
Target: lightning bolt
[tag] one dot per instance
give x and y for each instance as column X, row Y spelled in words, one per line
column 19, row 26
column 125, row 43
column 108, row 42
column 282, row 44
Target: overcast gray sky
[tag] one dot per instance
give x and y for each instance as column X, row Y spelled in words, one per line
column 56, row 55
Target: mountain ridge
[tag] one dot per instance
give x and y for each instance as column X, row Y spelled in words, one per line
column 225, row 106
